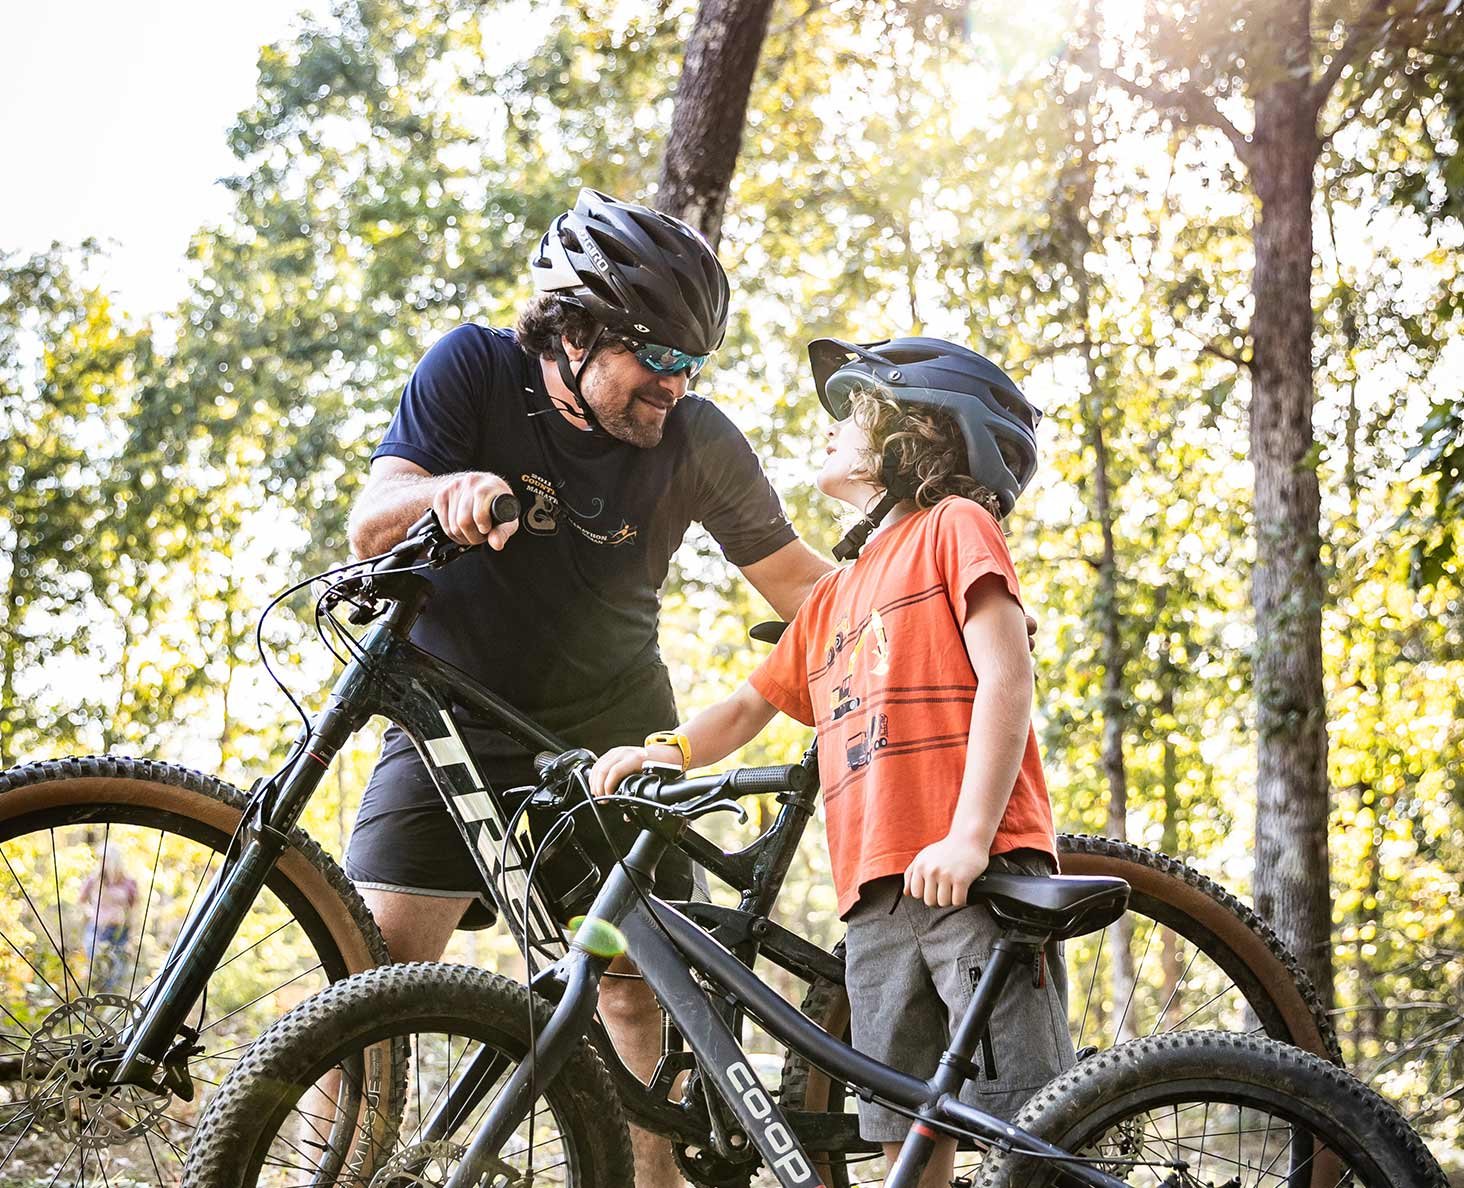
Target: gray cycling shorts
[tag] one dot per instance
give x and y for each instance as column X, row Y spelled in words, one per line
column 911, row 970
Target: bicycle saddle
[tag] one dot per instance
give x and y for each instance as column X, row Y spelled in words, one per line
column 769, row 632
column 1061, row 906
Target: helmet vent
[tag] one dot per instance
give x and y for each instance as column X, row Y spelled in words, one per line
column 908, row 355
column 1018, row 408
column 615, row 250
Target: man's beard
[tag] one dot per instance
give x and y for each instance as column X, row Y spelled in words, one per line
column 622, row 423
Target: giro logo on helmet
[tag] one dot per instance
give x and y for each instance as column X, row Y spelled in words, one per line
column 597, row 259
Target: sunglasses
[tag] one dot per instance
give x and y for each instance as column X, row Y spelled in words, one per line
column 664, row 360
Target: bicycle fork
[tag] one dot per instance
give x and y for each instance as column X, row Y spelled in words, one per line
column 160, row 1034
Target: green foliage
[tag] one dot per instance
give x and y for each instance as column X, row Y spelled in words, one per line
column 70, row 370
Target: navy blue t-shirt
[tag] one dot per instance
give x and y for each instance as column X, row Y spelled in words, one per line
column 563, row 622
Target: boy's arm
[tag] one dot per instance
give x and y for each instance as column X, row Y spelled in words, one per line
column 996, row 640
column 713, row 734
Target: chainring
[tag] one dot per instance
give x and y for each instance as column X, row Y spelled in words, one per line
column 706, row 1169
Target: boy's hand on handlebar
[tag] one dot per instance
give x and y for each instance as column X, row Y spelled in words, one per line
column 462, row 505
column 613, row 766
column 619, row 762
column 1031, row 633
column 943, row 872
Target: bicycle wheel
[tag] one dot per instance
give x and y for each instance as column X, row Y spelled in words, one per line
column 103, row 858
column 296, row 1110
column 1232, row 1109
column 1198, row 957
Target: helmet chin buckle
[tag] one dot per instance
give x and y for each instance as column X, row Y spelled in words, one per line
column 896, row 489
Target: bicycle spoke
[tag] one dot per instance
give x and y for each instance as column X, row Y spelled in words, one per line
column 252, row 947
column 1134, row 984
column 1219, row 994
column 1178, row 982
column 41, row 920
column 60, row 916
column 260, row 998
column 146, row 911
column 1092, row 982
column 97, row 911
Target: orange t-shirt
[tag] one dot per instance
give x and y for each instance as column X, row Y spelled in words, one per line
column 875, row 659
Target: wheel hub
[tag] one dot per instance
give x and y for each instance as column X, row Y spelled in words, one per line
column 57, row 1075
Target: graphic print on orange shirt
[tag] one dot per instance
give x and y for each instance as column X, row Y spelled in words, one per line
column 877, row 661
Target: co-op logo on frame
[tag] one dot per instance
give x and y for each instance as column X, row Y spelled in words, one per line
column 789, row 1162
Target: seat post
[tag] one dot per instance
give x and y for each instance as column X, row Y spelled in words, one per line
column 1008, row 954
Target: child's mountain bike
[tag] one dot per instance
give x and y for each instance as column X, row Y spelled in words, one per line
column 505, row 1087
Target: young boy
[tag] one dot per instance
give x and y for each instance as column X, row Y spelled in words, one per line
column 913, row 665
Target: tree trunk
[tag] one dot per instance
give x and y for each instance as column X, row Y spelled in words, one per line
column 711, row 108
column 1291, row 869
column 10, row 647
column 1170, row 956
column 1114, row 713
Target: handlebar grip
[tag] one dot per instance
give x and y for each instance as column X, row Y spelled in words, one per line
column 786, row 777
column 504, row 509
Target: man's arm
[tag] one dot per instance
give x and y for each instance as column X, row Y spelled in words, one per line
column 398, row 492
column 786, row 576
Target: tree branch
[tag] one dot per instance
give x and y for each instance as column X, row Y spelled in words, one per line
column 1234, row 357
column 1364, row 37
column 1194, row 105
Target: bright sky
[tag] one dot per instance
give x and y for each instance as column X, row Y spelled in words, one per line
column 112, row 122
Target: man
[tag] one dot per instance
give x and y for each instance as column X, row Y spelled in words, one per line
column 584, row 414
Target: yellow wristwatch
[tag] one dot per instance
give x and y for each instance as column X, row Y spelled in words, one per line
column 679, row 741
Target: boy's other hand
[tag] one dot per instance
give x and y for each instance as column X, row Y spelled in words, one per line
column 613, row 766
column 1031, row 633
column 943, row 872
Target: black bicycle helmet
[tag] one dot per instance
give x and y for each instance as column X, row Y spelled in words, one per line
column 639, row 273
column 997, row 421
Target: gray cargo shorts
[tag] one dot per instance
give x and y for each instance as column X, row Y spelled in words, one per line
column 911, row 970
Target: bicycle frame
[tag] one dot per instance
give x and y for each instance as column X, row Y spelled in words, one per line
column 668, row 947
column 394, row 678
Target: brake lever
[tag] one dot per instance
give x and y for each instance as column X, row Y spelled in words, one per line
column 708, row 803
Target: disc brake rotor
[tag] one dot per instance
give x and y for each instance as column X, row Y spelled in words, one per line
column 423, row 1165
column 55, row 1071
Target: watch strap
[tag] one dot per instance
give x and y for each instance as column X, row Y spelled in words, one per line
column 667, row 739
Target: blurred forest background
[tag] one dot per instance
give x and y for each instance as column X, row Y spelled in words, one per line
column 1219, row 243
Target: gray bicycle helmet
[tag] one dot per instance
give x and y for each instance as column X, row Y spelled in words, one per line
column 639, row 273
column 996, row 420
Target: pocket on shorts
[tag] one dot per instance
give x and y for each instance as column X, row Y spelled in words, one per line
column 1027, row 1042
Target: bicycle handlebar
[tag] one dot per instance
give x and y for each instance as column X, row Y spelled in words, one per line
column 426, row 538
column 501, row 510
column 653, row 785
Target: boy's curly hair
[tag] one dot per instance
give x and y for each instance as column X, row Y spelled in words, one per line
column 928, row 449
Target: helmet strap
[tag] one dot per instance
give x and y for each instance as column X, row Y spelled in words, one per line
column 571, row 380
column 895, row 491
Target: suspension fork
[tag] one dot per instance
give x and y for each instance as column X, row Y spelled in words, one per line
column 211, row 928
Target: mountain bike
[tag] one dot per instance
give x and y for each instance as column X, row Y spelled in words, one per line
column 505, row 1086
column 241, row 915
